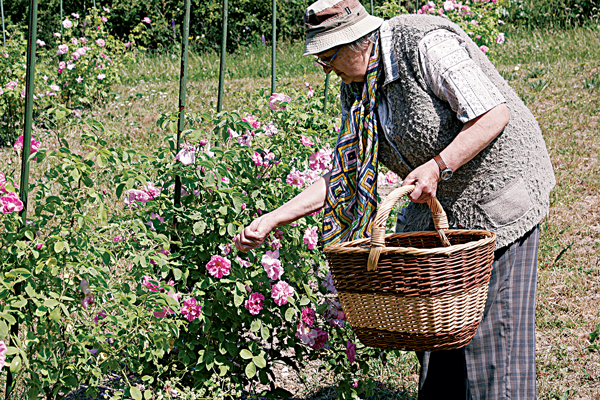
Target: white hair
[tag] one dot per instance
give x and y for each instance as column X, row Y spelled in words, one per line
column 361, row 44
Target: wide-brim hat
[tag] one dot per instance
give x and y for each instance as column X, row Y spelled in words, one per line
column 331, row 23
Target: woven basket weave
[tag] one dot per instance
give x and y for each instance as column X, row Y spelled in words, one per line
column 414, row 291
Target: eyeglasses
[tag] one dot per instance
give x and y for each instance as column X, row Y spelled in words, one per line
column 327, row 63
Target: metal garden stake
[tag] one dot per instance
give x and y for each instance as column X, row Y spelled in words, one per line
column 222, row 64
column 3, row 33
column 182, row 89
column 274, row 46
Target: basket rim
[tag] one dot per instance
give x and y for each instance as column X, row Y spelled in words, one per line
column 351, row 247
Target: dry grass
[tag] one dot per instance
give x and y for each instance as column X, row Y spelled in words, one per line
column 557, row 74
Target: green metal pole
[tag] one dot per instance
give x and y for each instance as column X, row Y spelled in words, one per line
column 223, row 50
column 3, row 33
column 24, row 188
column 274, row 46
column 372, row 9
column 326, row 92
column 61, row 18
column 182, row 89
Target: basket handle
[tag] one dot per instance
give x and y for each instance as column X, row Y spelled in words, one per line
column 440, row 221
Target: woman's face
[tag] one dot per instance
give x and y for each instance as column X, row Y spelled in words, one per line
column 350, row 66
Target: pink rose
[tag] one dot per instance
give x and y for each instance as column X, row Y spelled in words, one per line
column 135, row 195
column 3, row 350
column 191, row 309
column 242, row 262
column 484, row 48
column 306, row 141
column 350, row 351
column 187, row 155
column 500, row 39
column 254, row 304
column 11, row 85
column 311, row 237
column 252, row 120
column 277, row 98
column 67, row 24
column 100, row 42
column 320, row 339
column 272, row 265
column 295, row 178
column 308, row 316
column 281, row 291
column 257, row 159
column 38, row 246
column 62, row 49
column 150, row 283
column 218, row 266
column 10, row 203
column 146, row 20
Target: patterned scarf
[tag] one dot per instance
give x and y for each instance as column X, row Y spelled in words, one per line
column 351, row 201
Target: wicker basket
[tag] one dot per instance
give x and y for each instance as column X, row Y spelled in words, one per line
column 407, row 291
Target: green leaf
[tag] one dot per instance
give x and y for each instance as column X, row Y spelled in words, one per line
column 237, row 300
column 55, row 315
column 199, row 227
column 289, row 314
column 50, row 303
column 120, row 190
column 15, row 364
column 102, row 214
column 177, row 273
column 264, row 333
column 59, row 246
column 3, row 329
column 260, row 361
column 255, row 325
column 147, row 393
column 304, row 301
column 102, row 162
column 250, row 370
column 223, row 210
column 135, row 393
column 246, row 354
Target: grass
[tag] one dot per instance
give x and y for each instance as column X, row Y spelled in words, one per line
column 557, row 73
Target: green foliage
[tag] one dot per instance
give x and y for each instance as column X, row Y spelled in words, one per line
column 71, row 79
column 552, row 13
column 104, row 224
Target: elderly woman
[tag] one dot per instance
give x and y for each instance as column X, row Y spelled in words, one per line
column 421, row 97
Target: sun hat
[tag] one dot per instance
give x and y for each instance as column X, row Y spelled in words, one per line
column 331, row 23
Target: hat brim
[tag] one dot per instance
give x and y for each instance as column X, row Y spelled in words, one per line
column 323, row 42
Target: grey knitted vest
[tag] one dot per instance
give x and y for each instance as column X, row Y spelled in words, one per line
column 505, row 188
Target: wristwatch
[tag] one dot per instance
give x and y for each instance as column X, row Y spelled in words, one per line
column 445, row 172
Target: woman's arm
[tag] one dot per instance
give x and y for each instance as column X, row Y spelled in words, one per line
column 475, row 136
column 310, row 200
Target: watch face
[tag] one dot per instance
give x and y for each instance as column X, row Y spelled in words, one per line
column 446, row 174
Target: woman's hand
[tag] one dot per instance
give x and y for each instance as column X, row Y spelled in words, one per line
column 254, row 234
column 425, row 178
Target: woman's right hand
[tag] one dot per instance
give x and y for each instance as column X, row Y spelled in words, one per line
column 254, row 234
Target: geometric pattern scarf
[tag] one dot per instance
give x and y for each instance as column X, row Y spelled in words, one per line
column 351, row 201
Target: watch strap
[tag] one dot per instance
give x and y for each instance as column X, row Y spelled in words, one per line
column 440, row 163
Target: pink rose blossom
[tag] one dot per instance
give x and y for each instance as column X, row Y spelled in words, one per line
column 56, row 34
column 38, row 246
column 150, row 283
column 350, row 351
column 281, row 291
column 187, row 155
column 191, row 309
column 100, row 42
column 10, row 203
column 252, row 120
column 242, row 262
column 40, row 43
column 254, row 304
column 243, row 206
column 75, row 56
column 484, row 48
column 391, row 177
column 135, row 195
column 308, row 316
column 67, row 24
column 35, row 146
column 321, row 160
column 225, row 180
column 118, row 239
column 152, row 190
column 277, row 98
column 272, row 265
column 306, row 141
column 328, row 283
column 295, row 178
column 218, row 266
column 79, row 79
column 62, row 49
column 75, row 15
column 500, row 39
column 11, row 85
column 320, row 339
column 146, row 20
column 127, row 44
column 104, row 19
column 311, row 237
column 3, row 351
column 257, row 159
column 270, row 129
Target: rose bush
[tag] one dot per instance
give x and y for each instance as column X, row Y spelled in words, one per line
column 74, row 70
column 110, row 274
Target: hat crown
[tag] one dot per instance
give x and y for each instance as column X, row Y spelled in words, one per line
column 325, row 10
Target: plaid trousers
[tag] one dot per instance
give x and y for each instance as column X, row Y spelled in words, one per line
column 499, row 363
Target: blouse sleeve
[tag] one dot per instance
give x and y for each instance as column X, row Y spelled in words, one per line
column 454, row 77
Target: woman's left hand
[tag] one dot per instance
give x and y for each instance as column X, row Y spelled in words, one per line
column 425, row 178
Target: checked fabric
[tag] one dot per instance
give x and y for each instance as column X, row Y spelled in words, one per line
column 351, row 201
